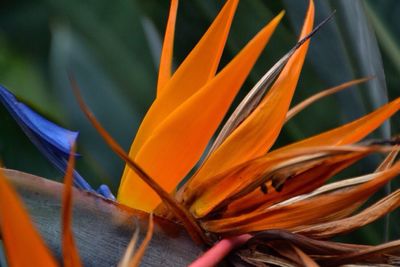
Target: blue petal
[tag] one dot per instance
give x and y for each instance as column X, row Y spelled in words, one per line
column 53, row 141
column 60, row 138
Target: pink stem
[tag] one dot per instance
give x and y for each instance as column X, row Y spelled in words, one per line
column 218, row 252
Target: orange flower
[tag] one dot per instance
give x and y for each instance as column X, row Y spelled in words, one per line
column 241, row 187
column 224, row 193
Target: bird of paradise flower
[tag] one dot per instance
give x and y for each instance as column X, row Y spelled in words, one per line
column 242, row 192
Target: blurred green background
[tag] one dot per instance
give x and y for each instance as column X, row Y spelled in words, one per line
column 113, row 50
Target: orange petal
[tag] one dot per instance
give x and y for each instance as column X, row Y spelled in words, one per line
column 300, row 184
column 176, row 209
column 351, row 132
column 306, row 172
column 258, row 132
column 23, row 245
column 330, row 229
column 346, row 134
column 178, row 142
column 69, row 250
column 164, row 72
column 303, row 213
column 198, row 68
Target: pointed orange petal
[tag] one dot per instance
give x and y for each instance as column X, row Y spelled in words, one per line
column 69, row 250
column 302, row 214
column 316, row 170
column 300, row 184
column 351, row 132
column 330, row 229
column 258, row 132
column 177, row 144
column 197, row 69
column 176, row 209
column 23, row 245
column 164, row 72
column 346, row 134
